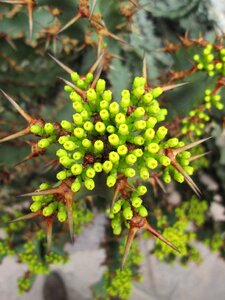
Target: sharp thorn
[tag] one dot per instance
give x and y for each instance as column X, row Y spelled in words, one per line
column 188, row 179
column 173, row 86
column 115, row 37
column 199, row 156
column 17, row 107
column 71, row 22
column 189, row 146
column 92, row 9
column 96, row 64
column 79, row 91
column 64, row 67
column 96, row 77
column 130, row 238
column 49, row 225
column 15, row 135
column 69, row 207
column 144, row 69
column 26, row 217
column 39, row 193
column 30, row 15
column 148, row 227
column 114, row 199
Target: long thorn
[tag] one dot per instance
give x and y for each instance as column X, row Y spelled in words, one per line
column 92, row 9
column 159, row 236
column 26, row 217
column 130, row 238
column 71, row 22
column 15, row 135
column 97, row 77
column 12, row 2
column 173, row 86
column 189, row 146
column 199, row 156
column 39, row 193
column 69, row 207
column 64, row 67
column 79, row 91
column 188, row 179
column 115, row 37
column 30, row 15
column 17, row 107
column 144, row 69
column 49, row 225
column 96, row 64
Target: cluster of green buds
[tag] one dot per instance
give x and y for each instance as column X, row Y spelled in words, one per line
column 195, row 122
column 215, row 242
column 192, row 211
column 24, row 283
column 212, row 99
column 205, row 61
column 5, row 249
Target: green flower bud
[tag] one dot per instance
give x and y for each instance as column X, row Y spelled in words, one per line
column 120, row 118
column 117, row 207
column 62, row 139
column 78, row 107
column 68, row 88
column 79, row 132
column 97, row 167
column 141, row 190
column 164, row 160
column 129, row 172
column 89, row 184
column 86, row 143
column 80, row 83
column 67, row 125
column 111, row 129
column 123, row 129
column 140, row 125
column 61, row 175
column 138, row 140
column 156, row 92
column 173, row 142
column 142, row 211
column 77, row 155
column 90, row 172
column 65, row 161
column 149, row 134
column 117, row 230
column 49, row 210
column 136, row 202
column 114, row 108
column 44, row 186
column 77, row 119
column 114, row 139
column 107, row 96
column 196, row 58
column 36, row 206
column 89, row 77
column 147, row 98
column 49, row 128
column 178, row 176
column 91, row 95
column 139, row 112
column 137, row 152
column 111, row 180
column 76, row 185
column 151, row 122
column 189, row 170
column 138, row 92
column 61, row 152
column 43, row 143
column 36, row 129
column 85, row 115
column 107, row 166
column 127, row 213
column 100, row 86
column 69, row 145
column 125, row 102
column 75, row 77
column 151, row 163
column 139, row 81
column 144, row 173
column 166, row 177
column 122, row 150
column 104, row 104
column 104, row 114
column 62, row 216
column 114, row 157
column 76, row 169
column 100, row 127
column 153, row 147
column 75, row 97
column 131, row 159
column 161, row 132
column 98, row 146
column 88, row 126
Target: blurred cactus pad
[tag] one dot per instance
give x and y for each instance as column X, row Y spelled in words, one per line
column 110, row 109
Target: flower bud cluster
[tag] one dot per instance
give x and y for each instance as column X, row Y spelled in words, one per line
column 206, row 60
